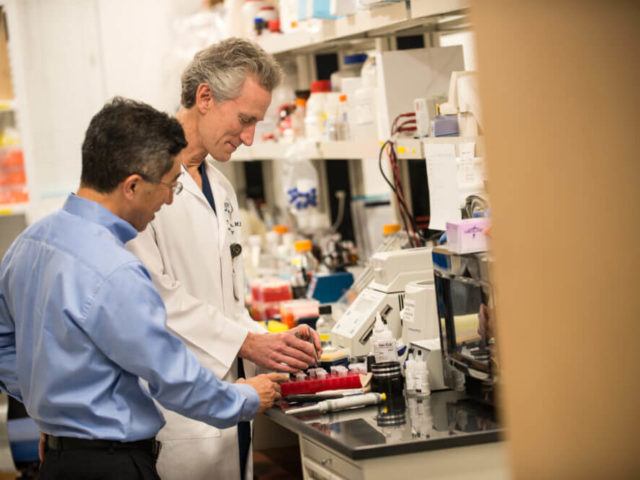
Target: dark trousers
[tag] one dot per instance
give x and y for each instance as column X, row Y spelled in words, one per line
column 244, row 432
column 94, row 464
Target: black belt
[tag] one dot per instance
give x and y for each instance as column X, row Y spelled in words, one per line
column 150, row 445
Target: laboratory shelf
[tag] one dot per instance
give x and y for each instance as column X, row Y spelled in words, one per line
column 317, row 34
column 260, row 151
column 429, row 8
column 344, row 150
column 8, row 209
column 406, row 148
column 348, row 150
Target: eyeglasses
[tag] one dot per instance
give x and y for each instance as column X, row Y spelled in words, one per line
column 176, row 186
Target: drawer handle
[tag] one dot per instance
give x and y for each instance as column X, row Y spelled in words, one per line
column 326, row 462
column 315, row 470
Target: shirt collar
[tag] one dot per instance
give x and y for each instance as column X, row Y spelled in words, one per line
column 96, row 213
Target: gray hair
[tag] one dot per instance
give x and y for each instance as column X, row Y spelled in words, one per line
column 224, row 66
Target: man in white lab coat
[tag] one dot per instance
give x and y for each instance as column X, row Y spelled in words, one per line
column 192, row 252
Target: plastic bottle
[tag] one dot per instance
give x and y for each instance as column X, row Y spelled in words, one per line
column 297, row 119
column 383, row 342
column 421, row 377
column 267, row 12
column 351, row 68
column 409, row 374
column 393, row 238
column 315, row 116
column 364, row 125
column 324, row 324
column 288, row 15
column 331, row 103
column 250, row 11
column 304, row 264
column 338, row 125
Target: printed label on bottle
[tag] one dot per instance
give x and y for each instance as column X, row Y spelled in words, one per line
column 385, row 351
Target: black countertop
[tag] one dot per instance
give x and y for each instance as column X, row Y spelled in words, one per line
column 443, row 420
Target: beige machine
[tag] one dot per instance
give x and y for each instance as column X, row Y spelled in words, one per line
column 385, row 295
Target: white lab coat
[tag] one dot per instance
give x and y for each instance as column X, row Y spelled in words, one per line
column 186, row 248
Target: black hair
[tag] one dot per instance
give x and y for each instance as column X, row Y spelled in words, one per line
column 128, row 137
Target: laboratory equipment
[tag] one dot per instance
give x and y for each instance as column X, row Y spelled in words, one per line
column 324, row 395
column 334, row 405
column 430, row 350
column 384, row 295
column 329, row 287
column 317, row 384
column 445, row 126
column 387, row 378
column 466, row 313
column 423, row 122
column 430, row 77
column 420, row 314
column 393, row 239
column 464, row 101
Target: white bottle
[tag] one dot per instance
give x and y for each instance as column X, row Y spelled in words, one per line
column 250, row 11
column 332, row 101
column 421, row 377
column 409, row 374
column 342, row 121
column 316, row 115
column 352, row 67
column 384, row 345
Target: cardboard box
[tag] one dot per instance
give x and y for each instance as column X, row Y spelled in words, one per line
column 467, row 236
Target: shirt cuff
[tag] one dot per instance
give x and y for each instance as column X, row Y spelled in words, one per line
column 250, row 408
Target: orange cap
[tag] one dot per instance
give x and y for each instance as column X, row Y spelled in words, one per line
column 302, row 246
column 390, row 228
column 343, row 98
column 281, row 229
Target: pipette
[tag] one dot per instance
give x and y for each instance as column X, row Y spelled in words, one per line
column 353, row 401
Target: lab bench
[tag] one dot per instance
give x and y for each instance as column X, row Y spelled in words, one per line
column 443, row 436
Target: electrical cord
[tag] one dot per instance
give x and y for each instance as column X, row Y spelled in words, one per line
column 408, row 221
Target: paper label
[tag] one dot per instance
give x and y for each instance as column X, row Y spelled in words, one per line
column 385, row 351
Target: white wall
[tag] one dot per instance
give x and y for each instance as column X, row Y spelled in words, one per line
column 137, row 40
column 69, row 57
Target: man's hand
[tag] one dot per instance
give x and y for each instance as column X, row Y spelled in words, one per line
column 291, row 351
column 267, row 386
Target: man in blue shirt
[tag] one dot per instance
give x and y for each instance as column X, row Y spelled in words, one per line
column 81, row 322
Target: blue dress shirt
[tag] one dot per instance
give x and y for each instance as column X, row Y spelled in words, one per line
column 81, row 323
